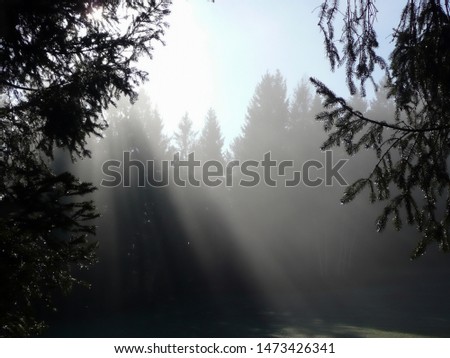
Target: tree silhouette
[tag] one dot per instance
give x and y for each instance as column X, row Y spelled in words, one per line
column 411, row 145
column 210, row 143
column 185, row 137
column 43, row 238
column 266, row 120
column 148, row 243
column 300, row 106
column 61, row 66
column 302, row 129
column 157, row 139
column 381, row 107
column 146, row 128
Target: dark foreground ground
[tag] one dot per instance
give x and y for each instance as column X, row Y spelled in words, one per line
column 371, row 311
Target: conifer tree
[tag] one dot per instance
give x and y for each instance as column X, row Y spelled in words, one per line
column 154, row 128
column 185, row 137
column 60, row 67
column 266, row 120
column 300, row 105
column 411, row 173
column 211, row 141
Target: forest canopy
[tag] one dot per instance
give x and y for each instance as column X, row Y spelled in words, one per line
column 65, row 66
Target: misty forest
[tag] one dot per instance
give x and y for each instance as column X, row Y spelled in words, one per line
column 92, row 244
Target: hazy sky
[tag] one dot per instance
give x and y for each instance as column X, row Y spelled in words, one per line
column 216, row 53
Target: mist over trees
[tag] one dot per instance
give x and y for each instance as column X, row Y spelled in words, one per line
column 411, row 176
column 185, row 137
column 203, row 253
column 210, row 143
column 60, row 68
column 266, row 119
column 172, row 245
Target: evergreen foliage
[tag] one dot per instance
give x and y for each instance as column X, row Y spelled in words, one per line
column 185, row 137
column 211, row 141
column 266, row 121
column 411, row 175
column 300, row 105
column 61, row 66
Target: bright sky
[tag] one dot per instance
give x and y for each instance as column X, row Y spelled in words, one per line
column 216, row 53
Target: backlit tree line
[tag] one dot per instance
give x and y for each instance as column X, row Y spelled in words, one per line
column 174, row 242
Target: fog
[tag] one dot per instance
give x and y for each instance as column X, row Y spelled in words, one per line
column 245, row 258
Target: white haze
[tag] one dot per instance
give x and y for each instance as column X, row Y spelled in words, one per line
column 216, row 53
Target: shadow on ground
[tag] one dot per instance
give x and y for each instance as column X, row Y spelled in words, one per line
column 372, row 312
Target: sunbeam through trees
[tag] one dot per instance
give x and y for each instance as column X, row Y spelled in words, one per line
column 195, row 189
